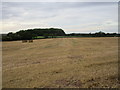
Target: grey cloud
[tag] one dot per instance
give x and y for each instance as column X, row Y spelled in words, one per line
column 62, row 14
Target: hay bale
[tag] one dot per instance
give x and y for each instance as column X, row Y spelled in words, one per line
column 30, row 41
column 24, row 41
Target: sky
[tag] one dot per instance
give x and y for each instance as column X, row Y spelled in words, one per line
column 72, row 17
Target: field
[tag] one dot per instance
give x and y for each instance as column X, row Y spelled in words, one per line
column 61, row 62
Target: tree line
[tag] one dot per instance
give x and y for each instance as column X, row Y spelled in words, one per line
column 97, row 34
column 31, row 33
column 51, row 32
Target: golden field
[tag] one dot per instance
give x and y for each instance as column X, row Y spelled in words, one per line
column 61, row 63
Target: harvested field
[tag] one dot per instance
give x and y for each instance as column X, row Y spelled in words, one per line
column 61, row 62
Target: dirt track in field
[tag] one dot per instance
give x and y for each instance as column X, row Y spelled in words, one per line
column 61, row 62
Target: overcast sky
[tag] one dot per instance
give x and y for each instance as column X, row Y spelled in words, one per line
column 69, row 16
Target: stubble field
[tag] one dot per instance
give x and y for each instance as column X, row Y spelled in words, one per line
column 61, row 62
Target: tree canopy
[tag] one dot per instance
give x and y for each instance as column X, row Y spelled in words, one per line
column 30, row 33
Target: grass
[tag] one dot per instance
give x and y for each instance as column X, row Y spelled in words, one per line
column 41, row 37
column 61, row 62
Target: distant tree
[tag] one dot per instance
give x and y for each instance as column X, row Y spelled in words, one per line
column 10, row 34
column 100, row 34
